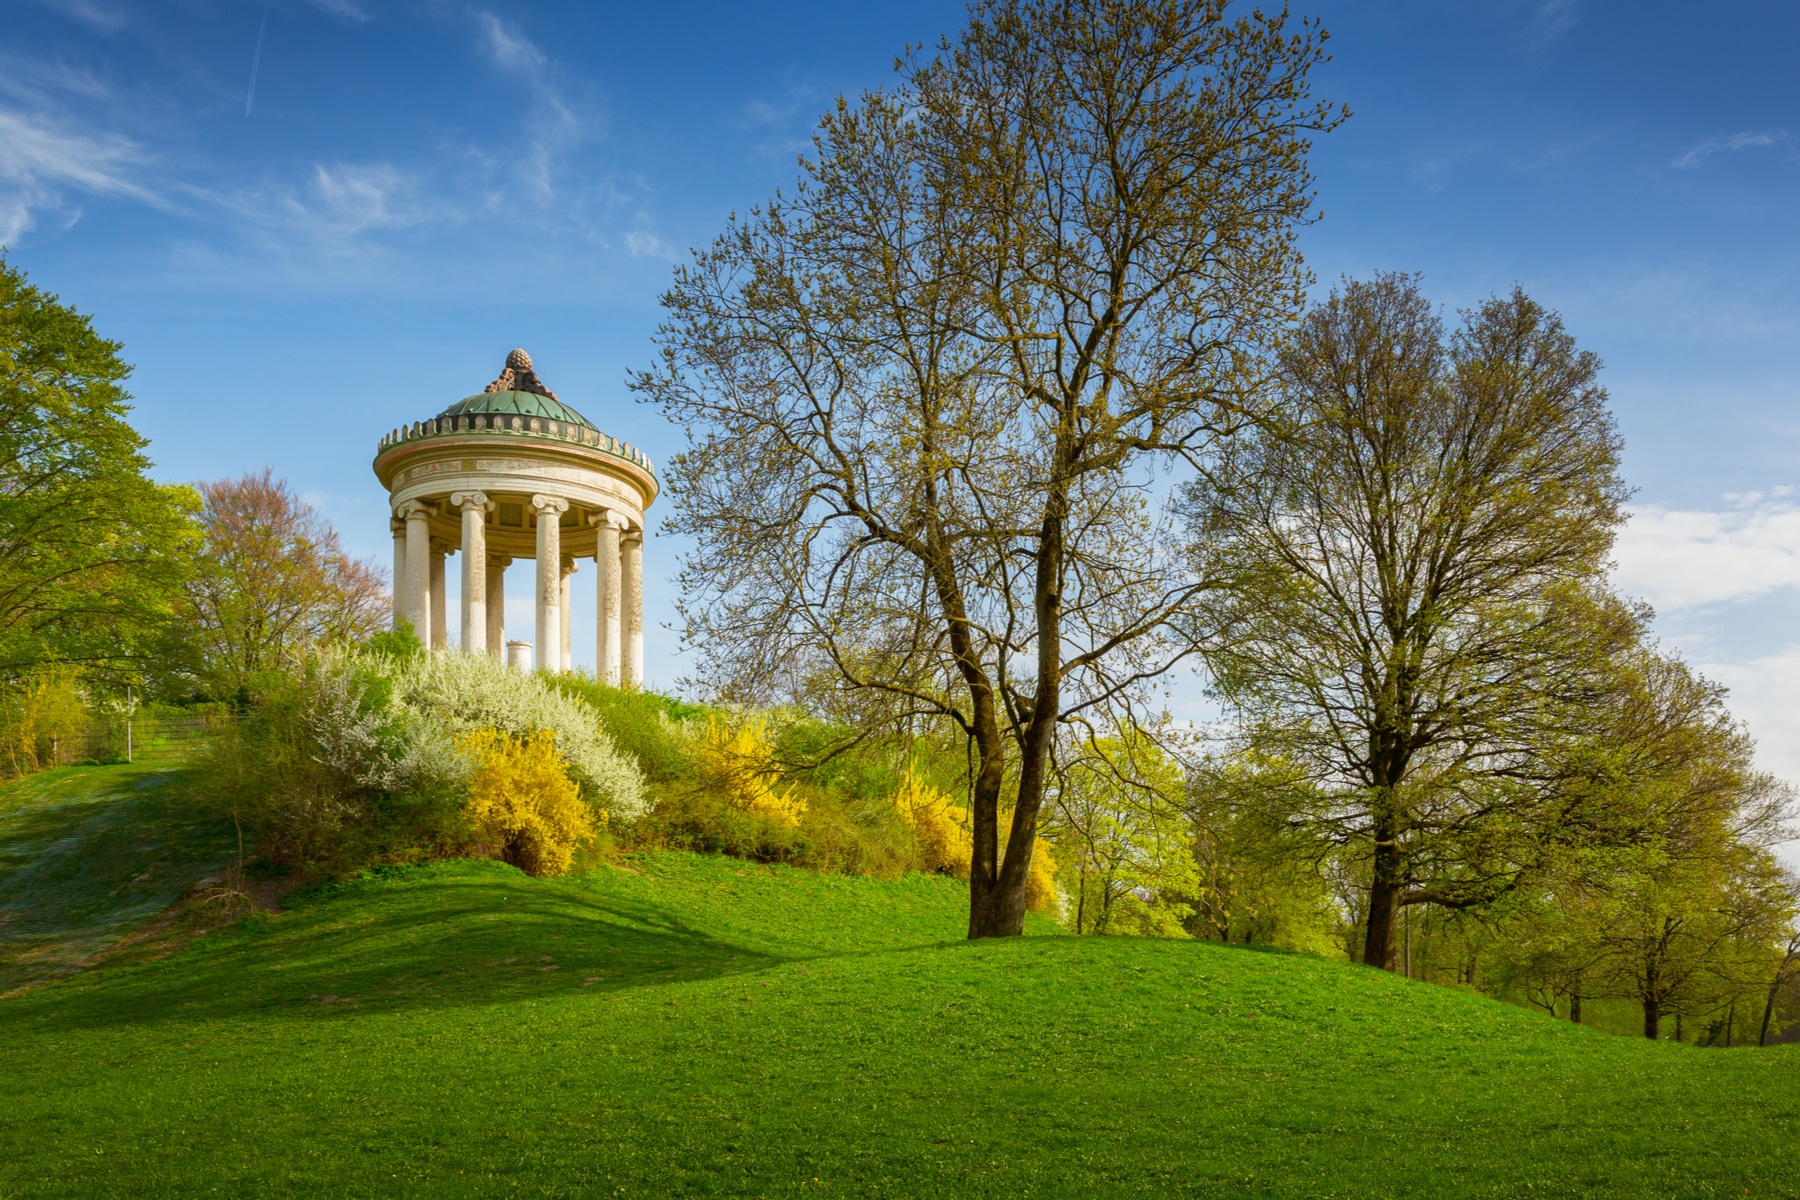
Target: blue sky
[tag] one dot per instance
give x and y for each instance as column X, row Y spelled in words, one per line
column 415, row 186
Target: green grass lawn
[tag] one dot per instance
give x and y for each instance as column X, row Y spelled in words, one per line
column 89, row 853
column 701, row 1026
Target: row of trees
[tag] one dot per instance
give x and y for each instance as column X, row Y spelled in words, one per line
column 1014, row 406
column 114, row 581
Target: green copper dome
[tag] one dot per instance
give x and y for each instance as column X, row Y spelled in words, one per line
column 523, row 404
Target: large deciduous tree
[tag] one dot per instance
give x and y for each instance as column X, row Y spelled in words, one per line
column 1416, row 609
column 91, row 550
column 273, row 581
column 928, row 392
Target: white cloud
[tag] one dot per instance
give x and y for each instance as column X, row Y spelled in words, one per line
column 347, row 10
column 338, row 203
column 511, row 49
column 1550, row 19
column 102, row 18
column 1765, row 695
column 1688, row 558
column 644, row 244
column 1748, row 140
column 40, row 159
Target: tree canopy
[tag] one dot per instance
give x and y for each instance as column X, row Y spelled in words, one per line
column 91, row 549
column 1416, row 605
column 927, row 393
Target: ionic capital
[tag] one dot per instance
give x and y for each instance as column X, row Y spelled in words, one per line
column 633, row 536
column 468, row 500
column 441, row 546
column 415, row 509
column 500, row 561
column 569, row 566
column 609, row 518
column 543, row 505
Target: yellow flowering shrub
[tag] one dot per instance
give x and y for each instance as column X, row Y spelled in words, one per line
column 735, row 759
column 942, row 833
column 522, row 804
column 1040, row 882
column 940, row 829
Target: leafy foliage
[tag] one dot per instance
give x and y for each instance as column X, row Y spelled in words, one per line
column 471, row 692
column 92, row 552
column 271, row 584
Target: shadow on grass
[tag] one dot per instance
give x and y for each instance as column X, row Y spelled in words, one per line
column 452, row 935
column 87, row 854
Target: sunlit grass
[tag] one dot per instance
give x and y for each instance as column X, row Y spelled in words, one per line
column 709, row 1027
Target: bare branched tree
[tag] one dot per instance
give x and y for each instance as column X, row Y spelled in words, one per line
column 928, row 394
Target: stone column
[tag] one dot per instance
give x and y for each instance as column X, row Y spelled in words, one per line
column 631, row 564
column 567, row 655
column 399, row 528
column 496, row 604
column 440, row 600
column 549, row 510
column 606, row 567
column 475, row 508
column 418, row 568
column 518, row 655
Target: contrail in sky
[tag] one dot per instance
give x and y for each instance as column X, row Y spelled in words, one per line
column 256, row 59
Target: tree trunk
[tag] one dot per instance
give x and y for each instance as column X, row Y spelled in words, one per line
column 1575, row 1008
column 1384, row 897
column 1004, row 915
column 1652, row 1017
column 1793, row 950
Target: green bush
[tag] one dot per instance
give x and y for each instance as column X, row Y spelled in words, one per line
column 645, row 725
column 325, row 775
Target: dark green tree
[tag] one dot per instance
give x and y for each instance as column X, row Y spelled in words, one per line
column 92, row 551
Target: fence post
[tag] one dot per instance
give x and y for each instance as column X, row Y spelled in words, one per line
column 128, row 709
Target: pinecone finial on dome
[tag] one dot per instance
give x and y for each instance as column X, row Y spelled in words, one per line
column 518, row 376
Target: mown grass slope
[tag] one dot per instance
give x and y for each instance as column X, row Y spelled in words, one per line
column 88, row 853
column 701, row 1026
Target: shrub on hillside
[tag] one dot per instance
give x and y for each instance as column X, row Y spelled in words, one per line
column 733, row 759
column 470, row 692
column 648, row 726
column 43, row 720
column 943, row 840
column 523, row 808
column 329, row 776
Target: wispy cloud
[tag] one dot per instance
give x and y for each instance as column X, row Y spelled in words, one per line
column 1748, row 140
column 347, row 10
column 553, row 127
column 98, row 16
column 1550, row 19
column 337, row 204
column 42, row 159
column 644, row 244
column 510, row 48
column 1691, row 558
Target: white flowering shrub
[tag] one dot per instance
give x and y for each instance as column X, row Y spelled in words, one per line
column 463, row 693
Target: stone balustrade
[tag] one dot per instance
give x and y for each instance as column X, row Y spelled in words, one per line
column 515, row 425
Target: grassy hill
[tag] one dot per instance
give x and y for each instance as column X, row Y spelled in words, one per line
column 702, row 1026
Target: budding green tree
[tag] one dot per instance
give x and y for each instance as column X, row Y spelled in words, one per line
column 1416, row 564
column 929, row 391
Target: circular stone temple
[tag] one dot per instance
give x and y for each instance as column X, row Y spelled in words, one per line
column 515, row 473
